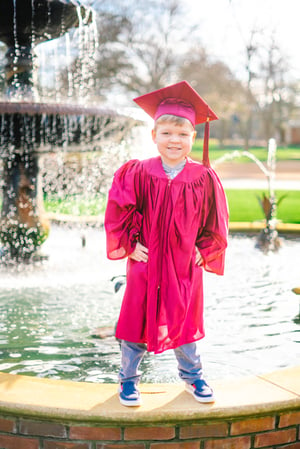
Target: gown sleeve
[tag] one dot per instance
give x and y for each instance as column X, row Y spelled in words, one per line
column 213, row 233
column 122, row 219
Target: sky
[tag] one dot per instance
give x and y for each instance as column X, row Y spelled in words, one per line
column 225, row 26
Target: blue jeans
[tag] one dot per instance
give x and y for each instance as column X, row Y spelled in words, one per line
column 188, row 358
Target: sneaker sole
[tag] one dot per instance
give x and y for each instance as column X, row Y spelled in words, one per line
column 136, row 403
column 203, row 399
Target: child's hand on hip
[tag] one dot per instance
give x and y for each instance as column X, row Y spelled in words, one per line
column 199, row 259
column 140, row 253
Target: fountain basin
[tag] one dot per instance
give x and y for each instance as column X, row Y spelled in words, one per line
column 38, row 21
column 250, row 320
column 41, row 127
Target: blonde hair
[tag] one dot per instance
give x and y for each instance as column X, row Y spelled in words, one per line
column 173, row 119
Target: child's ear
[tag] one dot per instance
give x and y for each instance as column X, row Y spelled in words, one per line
column 194, row 136
column 153, row 133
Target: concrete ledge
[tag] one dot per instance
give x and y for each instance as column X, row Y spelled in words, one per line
column 98, row 220
column 162, row 403
column 255, row 226
column 90, row 220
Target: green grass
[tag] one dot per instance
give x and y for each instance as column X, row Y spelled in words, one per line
column 77, row 205
column 244, row 205
column 215, row 152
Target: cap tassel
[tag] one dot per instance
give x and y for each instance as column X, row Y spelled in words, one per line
column 205, row 158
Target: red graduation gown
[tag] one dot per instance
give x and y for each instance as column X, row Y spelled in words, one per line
column 163, row 300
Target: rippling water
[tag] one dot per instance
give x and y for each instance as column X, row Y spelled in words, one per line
column 49, row 310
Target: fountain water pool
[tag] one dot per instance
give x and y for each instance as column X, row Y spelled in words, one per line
column 49, row 311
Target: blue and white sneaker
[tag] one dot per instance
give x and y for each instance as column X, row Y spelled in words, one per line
column 129, row 395
column 201, row 391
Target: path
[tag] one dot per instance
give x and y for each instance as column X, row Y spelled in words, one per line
column 247, row 175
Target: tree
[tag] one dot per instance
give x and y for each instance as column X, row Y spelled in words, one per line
column 152, row 47
column 217, row 85
column 252, row 47
column 148, row 44
column 276, row 101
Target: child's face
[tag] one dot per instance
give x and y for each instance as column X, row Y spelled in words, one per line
column 174, row 142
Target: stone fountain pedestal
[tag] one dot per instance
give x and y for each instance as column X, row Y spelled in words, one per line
column 24, row 225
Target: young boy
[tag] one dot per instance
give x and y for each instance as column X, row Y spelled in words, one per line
column 168, row 216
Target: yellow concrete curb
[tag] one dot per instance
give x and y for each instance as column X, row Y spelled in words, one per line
column 162, row 403
column 234, row 226
column 94, row 220
column 288, row 228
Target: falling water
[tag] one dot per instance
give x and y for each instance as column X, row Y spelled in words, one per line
column 56, row 54
column 17, row 47
column 59, row 53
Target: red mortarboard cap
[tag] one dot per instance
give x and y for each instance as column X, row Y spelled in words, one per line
column 173, row 99
column 182, row 100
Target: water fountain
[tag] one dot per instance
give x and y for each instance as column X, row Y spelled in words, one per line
column 49, row 308
column 31, row 128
